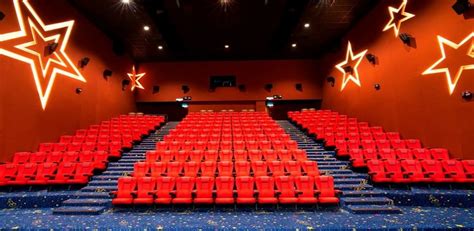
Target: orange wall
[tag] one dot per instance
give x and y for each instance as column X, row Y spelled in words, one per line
column 284, row 74
column 419, row 106
column 23, row 123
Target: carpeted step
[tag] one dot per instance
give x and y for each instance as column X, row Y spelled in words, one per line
column 367, row 201
column 120, row 168
column 99, row 188
column 373, row 209
column 339, row 171
column 86, row 202
column 103, row 183
column 352, row 186
column 335, row 162
column 348, row 181
column 362, row 193
column 102, row 195
column 80, row 210
column 332, row 167
column 349, row 175
column 103, row 178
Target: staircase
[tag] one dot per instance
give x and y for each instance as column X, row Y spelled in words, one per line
column 358, row 196
column 94, row 198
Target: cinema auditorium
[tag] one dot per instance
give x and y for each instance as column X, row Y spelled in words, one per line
column 236, row 115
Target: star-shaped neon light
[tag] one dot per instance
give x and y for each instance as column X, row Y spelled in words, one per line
column 28, row 45
column 135, row 79
column 354, row 74
column 393, row 23
column 468, row 44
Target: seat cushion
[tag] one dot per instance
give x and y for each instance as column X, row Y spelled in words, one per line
column 328, row 200
column 267, row 200
column 182, row 200
column 247, row 200
column 143, row 201
column 122, row 201
column 288, row 200
column 163, row 201
column 307, row 200
column 224, row 200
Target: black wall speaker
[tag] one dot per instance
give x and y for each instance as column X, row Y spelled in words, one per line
column 51, row 48
column 242, row 87
column 156, row 89
column 466, row 95
column 83, row 62
column 377, row 86
column 125, row 83
column 107, row 73
column 331, row 80
column 299, row 87
column 461, row 6
column 185, row 88
column 78, row 90
column 406, row 38
column 371, row 58
column 268, row 87
column 2, row 16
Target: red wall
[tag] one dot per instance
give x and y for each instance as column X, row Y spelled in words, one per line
column 283, row 74
column 419, row 106
column 23, row 123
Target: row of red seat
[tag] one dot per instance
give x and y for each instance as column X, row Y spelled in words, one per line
column 359, row 157
column 343, row 148
column 226, row 168
column 99, row 157
column 225, row 190
column 232, row 136
column 226, row 145
column 415, row 171
column 29, row 174
column 65, row 154
column 226, row 155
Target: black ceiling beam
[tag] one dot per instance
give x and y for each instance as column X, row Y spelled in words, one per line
column 294, row 10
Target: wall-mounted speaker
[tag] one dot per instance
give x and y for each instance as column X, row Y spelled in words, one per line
column 371, row 58
column 377, row 86
column 242, row 87
column 83, row 62
column 107, row 74
column 185, row 89
column 461, row 6
column 51, row 48
column 78, row 90
column 268, row 87
column 348, row 69
column 331, row 80
column 2, row 16
column 406, row 38
column 156, row 89
column 299, row 87
column 125, row 83
column 466, row 95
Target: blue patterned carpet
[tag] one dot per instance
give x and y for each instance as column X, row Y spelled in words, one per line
column 419, row 218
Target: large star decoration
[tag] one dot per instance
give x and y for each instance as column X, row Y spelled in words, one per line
column 135, row 79
column 29, row 43
column 468, row 57
column 352, row 75
column 404, row 16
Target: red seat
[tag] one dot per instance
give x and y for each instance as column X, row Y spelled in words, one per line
column 64, row 173
column 245, row 190
column 102, row 146
column 21, row 157
column 251, row 145
column 152, row 156
column 284, row 155
column 204, row 190
column 413, row 170
column 167, row 156
column 196, row 155
column 65, row 139
column 210, row 155
column 184, row 189
column 54, row 157
column 353, row 144
column 191, row 169
column 382, row 144
column 341, row 148
column 115, row 149
column 357, row 158
column 58, row 147
column 291, row 145
column 239, row 144
column 86, row 156
column 293, row 168
column 158, row 169
column 404, row 154
column 387, row 154
column 174, row 169
column 141, row 169
column 368, row 144
column 434, row 171
column 259, row 168
column 164, row 188
column 26, row 172
column 310, row 168
column 88, row 147
column 7, row 173
column 225, row 168
column 421, row 154
column 226, row 145
column 306, row 190
column 468, row 168
column 242, row 168
column 377, row 171
column 225, row 190
column 327, row 193
column 46, row 147
column 182, row 156
column 286, row 190
column 213, row 145
column 299, row 155
column 38, row 157
column 125, row 189
column 276, row 168
column 240, row 155
column 266, row 190
column 100, row 160
column 44, row 173
column 91, row 139
column 146, row 189
column 208, row 168
column 225, row 155
column 397, row 144
column 393, row 135
column 278, row 144
column 413, row 143
column 264, row 145
column 393, row 170
column 84, row 171
column 353, row 136
column 439, row 154
column 366, row 136
column 255, row 155
column 379, row 136
column 455, row 170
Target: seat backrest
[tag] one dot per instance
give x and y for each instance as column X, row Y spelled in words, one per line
column 225, row 168
column 382, row 144
column 439, row 153
column 145, row 185
column 284, row 155
column 70, row 157
column 191, row 168
column 388, row 154
column 299, row 155
column 421, row 153
column 265, row 186
column 259, row 168
column 25, row 170
column 140, row 169
column 225, row 155
column 89, row 146
column 433, row 166
column 204, row 186
column 325, row 185
column 54, row 157
column 404, row 154
column 208, row 168
column 376, row 166
column 468, row 166
column 184, row 186
column 293, row 167
column 396, row 144
column 310, row 168
column 46, row 169
column 174, row 169
column 21, row 157
column 305, row 184
column 83, row 169
column 65, row 139
column 164, row 185
column 240, row 155
column 413, row 166
column 454, row 166
column 8, row 170
column 86, row 156
column 157, row 168
column 368, row 144
column 127, row 184
column 379, row 136
column 413, row 143
column 393, row 135
column 392, row 166
column 245, row 186
column 255, row 155
column 211, row 155
column 276, row 168
column 46, row 147
column 242, row 168
column 286, row 185
column 196, row 155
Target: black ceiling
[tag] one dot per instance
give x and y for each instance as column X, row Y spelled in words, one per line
column 199, row 29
